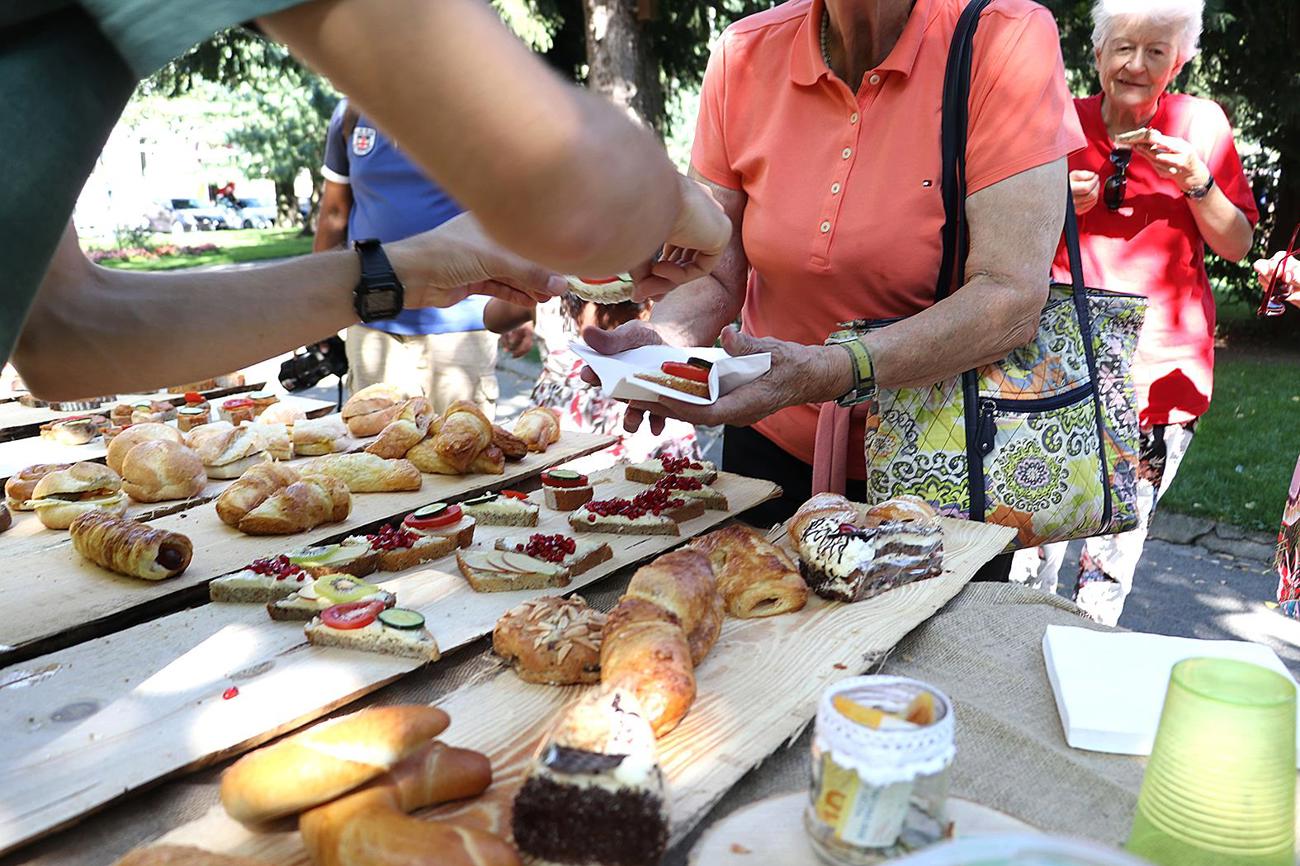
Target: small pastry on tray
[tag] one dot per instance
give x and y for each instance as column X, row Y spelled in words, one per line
column 313, row 437
column 538, row 428
column 302, row 505
column 369, row 410
column 370, row 627
column 310, row 599
column 851, row 558
column 405, row 431
column 129, row 547
column 565, row 490
column 503, row 508
column 511, row 445
column 595, row 794
column 364, row 472
column 226, row 452
column 650, row 471
column 755, row 577
column 74, row 431
column 254, row 487
column 551, row 640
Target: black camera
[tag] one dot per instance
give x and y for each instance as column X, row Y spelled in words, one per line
column 314, row 363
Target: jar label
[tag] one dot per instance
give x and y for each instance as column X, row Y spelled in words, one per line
column 858, row 813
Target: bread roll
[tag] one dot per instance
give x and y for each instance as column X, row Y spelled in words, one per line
column 682, row 583
column 133, row 436
column 324, row 761
column 228, row 452
column 19, row 487
column 314, row 437
column 253, row 488
column 160, row 470
column 60, row 497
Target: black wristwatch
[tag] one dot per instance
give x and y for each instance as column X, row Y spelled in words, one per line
column 379, row 294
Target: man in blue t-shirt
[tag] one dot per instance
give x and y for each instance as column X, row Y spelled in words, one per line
column 373, row 191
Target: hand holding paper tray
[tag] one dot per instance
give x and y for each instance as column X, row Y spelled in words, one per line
column 617, row 372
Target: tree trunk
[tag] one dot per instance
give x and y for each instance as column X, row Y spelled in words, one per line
column 286, row 204
column 621, row 65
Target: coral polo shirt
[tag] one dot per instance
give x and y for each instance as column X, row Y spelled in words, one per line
column 1151, row 246
column 844, row 208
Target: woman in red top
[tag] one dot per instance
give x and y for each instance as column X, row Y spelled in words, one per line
column 1159, row 181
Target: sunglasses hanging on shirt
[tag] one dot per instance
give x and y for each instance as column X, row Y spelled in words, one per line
column 1274, row 301
column 1116, row 185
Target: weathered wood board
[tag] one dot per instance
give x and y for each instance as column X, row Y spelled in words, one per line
column 51, row 591
column 758, row 688
column 19, row 453
column 112, row 714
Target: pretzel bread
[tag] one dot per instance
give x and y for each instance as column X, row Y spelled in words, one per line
column 324, row 761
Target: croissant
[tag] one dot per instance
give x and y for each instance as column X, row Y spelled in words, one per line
column 370, row 827
column 253, row 488
column 755, row 577
column 644, row 650
column 464, row 432
column 490, row 461
column 405, row 431
column 366, row 473
column 682, row 583
column 511, row 445
column 302, row 505
column 371, row 408
column 538, row 427
column 130, row 547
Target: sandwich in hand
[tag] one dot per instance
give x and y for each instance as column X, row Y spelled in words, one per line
column 691, row 377
column 60, row 497
column 603, row 290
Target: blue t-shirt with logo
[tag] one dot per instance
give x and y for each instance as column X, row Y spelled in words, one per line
column 392, row 199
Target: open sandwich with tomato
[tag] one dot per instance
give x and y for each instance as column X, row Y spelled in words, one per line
column 565, row 489
column 440, row 520
column 603, row 290
column 690, row 376
column 369, row 626
column 502, row 508
column 326, row 591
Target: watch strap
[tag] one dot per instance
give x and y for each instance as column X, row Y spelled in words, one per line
column 1200, row 192
column 378, row 279
column 864, row 376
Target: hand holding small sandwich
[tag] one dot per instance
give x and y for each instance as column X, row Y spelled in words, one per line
column 698, row 237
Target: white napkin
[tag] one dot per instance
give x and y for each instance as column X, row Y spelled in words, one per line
column 617, row 372
column 1110, row 686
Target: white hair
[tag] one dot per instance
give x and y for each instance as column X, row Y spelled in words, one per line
column 1183, row 17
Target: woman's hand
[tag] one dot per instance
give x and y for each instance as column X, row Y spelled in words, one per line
column 1290, row 275
column 1176, row 159
column 694, row 245
column 518, row 341
column 443, row 266
column 1085, row 189
column 799, row 374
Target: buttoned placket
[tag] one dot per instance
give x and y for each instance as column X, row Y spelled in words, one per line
column 855, row 109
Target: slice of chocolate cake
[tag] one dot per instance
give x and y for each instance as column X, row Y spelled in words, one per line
column 594, row 795
column 844, row 562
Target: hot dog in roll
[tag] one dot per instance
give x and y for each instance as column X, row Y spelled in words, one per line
column 130, row 547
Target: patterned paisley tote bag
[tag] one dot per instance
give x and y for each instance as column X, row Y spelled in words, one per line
column 1044, row 440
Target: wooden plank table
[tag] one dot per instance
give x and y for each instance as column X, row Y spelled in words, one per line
column 16, row 454
column 757, row 689
column 96, row 720
column 56, row 598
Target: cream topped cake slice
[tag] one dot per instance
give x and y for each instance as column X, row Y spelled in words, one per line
column 845, row 562
column 595, row 793
column 507, row 570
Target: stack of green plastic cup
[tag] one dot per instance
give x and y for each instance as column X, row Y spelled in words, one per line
column 1220, row 785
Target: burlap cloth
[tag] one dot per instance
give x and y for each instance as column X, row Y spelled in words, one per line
column 983, row 650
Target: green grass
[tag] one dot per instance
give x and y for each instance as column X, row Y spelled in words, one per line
column 241, row 245
column 1240, row 463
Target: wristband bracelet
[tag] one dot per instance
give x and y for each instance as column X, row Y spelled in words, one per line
column 864, row 377
column 1200, row 192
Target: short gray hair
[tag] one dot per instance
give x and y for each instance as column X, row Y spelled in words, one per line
column 1182, row 16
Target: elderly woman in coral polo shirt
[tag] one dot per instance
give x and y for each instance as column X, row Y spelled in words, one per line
column 1149, row 205
column 819, row 132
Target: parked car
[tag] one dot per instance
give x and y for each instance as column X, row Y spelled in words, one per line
column 205, row 216
column 256, row 213
column 160, row 216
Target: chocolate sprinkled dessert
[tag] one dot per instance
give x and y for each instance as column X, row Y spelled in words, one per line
column 595, row 794
column 844, row 562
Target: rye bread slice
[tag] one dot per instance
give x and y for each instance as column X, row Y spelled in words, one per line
column 386, row 642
